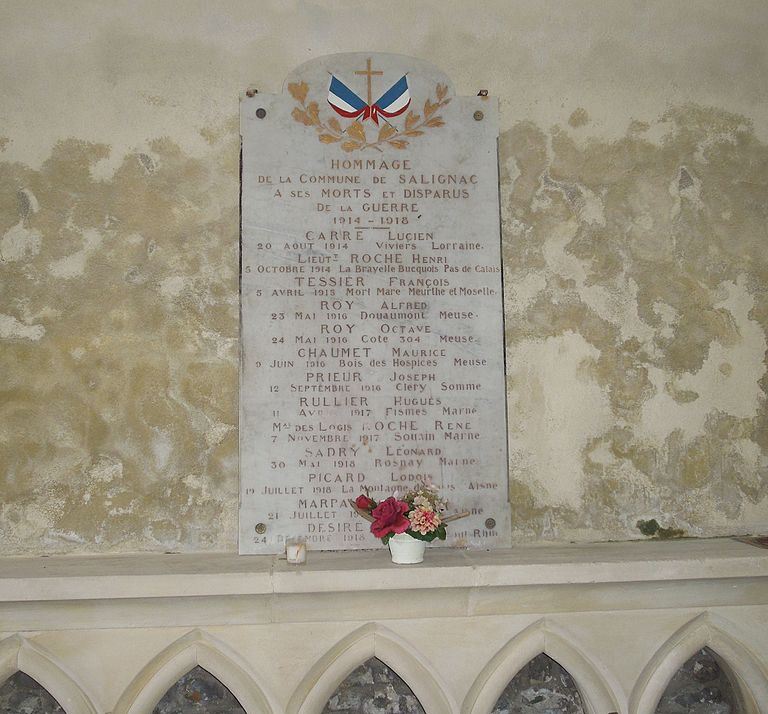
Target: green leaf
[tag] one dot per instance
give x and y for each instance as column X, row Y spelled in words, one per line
column 386, row 538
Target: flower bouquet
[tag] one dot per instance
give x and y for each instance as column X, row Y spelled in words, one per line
column 407, row 524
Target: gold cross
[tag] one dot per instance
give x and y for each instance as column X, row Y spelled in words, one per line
column 369, row 73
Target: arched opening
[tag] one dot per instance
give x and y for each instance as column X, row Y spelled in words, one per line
column 198, row 691
column 666, row 671
column 541, row 685
column 196, row 670
column 373, row 687
column 371, row 641
column 35, row 669
column 702, row 685
column 22, row 693
column 555, row 668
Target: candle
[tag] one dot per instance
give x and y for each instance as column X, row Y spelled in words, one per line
column 296, row 552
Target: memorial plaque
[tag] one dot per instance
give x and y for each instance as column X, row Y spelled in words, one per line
column 371, row 303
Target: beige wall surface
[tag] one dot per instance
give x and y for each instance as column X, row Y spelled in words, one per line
column 634, row 164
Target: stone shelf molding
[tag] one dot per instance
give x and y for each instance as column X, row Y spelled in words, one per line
column 110, row 635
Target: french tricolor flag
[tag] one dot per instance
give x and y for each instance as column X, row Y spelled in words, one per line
column 391, row 104
column 395, row 100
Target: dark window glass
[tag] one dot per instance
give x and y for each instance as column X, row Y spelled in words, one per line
column 541, row 687
column 700, row 686
column 22, row 694
column 198, row 692
column 373, row 688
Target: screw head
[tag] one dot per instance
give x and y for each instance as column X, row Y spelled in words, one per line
column 261, row 112
column 261, row 528
column 490, row 523
column 478, row 115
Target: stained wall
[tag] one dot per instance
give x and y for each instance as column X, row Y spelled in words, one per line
column 634, row 167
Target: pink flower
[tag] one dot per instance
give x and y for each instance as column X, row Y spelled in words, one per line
column 363, row 502
column 424, row 520
column 390, row 517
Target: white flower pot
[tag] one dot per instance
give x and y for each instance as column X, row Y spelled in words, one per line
column 406, row 550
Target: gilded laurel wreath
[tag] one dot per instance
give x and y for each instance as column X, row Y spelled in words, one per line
column 354, row 137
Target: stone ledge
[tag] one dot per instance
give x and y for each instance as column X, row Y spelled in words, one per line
column 72, row 578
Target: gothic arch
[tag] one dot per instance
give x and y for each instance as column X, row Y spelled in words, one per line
column 749, row 677
column 597, row 694
column 371, row 640
column 20, row 654
column 193, row 649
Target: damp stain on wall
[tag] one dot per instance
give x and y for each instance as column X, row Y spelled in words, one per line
column 636, row 316
column 119, row 336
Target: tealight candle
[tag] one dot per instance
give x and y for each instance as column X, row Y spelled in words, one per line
column 296, row 552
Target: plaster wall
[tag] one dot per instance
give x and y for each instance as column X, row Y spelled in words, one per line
column 634, row 164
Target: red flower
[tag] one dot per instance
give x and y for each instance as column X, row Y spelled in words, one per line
column 363, row 502
column 390, row 517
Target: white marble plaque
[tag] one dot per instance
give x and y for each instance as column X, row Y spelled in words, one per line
column 371, row 303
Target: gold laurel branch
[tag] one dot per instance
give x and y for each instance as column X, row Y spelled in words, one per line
column 309, row 115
